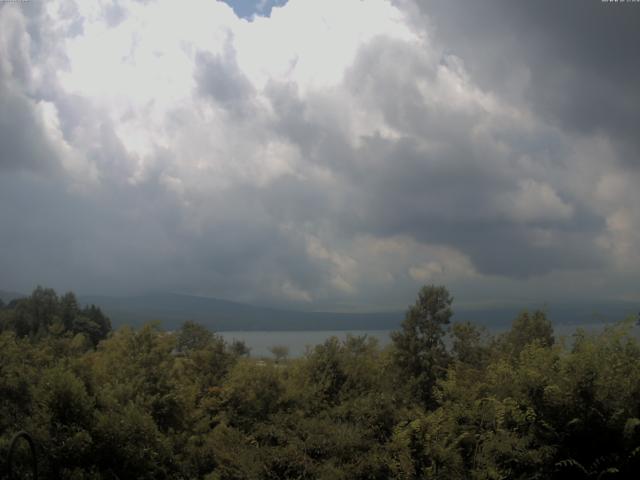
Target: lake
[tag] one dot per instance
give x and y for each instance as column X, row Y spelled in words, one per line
column 297, row 341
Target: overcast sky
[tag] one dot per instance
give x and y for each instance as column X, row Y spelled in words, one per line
column 330, row 154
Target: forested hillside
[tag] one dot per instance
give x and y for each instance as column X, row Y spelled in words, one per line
column 145, row 403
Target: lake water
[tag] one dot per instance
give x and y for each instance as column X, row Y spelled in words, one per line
column 297, row 341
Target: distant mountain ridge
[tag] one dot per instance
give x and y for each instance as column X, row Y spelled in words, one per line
column 7, row 296
column 171, row 310
column 224, row 315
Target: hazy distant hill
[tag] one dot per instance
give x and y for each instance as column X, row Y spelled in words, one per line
column 601, row 312
column 6, row 296
column 223, row 315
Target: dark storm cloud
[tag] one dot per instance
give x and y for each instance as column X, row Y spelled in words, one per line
column 457, row 153
column 22, row 143
column 303, row 122
column 453, row 200
column 581, row 58
column 450, row 195
column 124, row 239
column 292, row 121
column 294, row 200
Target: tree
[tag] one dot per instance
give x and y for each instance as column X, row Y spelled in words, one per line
column 43, row 306
column 239, row 349
column 68, row 309
column 469, row 344
column 419, row 348
column 33, row 314
column 280, row 352
column 250, row 395
column 193, row 336
column 99, row 320
column 43, row 313
column 528, row 328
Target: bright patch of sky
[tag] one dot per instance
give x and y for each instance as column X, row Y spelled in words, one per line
column 248, row 8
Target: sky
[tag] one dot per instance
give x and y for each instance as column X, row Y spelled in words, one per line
column 329, row 155
column 247, row 9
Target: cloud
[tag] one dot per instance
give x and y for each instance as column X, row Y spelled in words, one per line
column 332, row 155
column 23, row 143
column 536, row 201
column 220, row 78
column 572, row 64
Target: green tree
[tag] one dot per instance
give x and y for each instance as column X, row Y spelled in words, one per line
column 239, row 349
column 43, row 313
column 469, row 343
column 252, row 394
column 527, row 328
column 325, row 373
column 193, row 336
column 43, row 307
column 419, row 348
column 279, row 352
column 100, row 323
column 68, row 309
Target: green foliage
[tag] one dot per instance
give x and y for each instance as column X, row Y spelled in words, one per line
column 145, row 403
column 527, row 328
column 419, row 348
column 279, row 352
column 469, row 344
column 239, row 349
column 251, row 394
column 43, row 313
column 193, row 336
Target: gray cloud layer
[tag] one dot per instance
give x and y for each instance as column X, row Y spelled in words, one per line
column 576, row 58
column 489, row 145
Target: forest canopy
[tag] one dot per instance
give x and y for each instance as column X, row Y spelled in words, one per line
column 443, row 400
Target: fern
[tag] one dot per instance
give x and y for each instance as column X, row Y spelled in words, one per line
column 570, row 463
